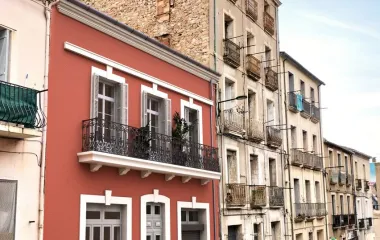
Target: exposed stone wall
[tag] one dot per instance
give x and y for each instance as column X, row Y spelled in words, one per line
column 185, row 21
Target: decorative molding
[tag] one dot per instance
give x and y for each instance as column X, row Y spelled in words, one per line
column 106, row 27
column 108, row 62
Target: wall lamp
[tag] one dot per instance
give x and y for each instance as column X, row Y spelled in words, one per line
column 241, row 97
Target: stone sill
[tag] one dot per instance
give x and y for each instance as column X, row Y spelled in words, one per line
column 12, row 131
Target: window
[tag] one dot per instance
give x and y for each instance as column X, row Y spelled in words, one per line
column 103, row 222
column 331, row 158
column 270, row 113
column 348, row 205
column 252, row 104
column 291, row 82
column 250, row 43
column 190, row 216
column 333, row 204
column 356, row 170
column 229, row 93
column 154, row 221
column 293, row 135
column 308, row 191
column 297, row 194
column 191, row 117
column 341, row 204
column 228, row 27
column 254, row 166
column 310, row 235
column 312, row 97
column 364, row 173
column 232, row 167
column 302, row 84
column 8, row 193
column 234, row 232
column 304, row 140
column 275, row 229
column 4, row 54
column 315, row 144
column 317, row 192
column 346, row 163
column 339, row 160
column 268, row 57
column 256, row 231
column 272, row 172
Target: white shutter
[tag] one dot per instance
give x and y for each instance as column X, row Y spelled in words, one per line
column 144, row 102
column 94, row 95
column 4, row 54
column 168, row 111
column 122, row 103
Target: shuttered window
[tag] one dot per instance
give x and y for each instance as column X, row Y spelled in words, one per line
column 8, row 190
column 4, row 54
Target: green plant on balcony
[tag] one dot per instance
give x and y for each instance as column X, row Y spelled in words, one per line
column 141, row 142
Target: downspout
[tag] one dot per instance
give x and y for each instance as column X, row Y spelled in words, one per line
column 321, row 147
column 212, row 145
column 41, row 204
column 288, row 149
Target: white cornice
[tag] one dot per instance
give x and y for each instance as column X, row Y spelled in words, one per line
column 123, row 35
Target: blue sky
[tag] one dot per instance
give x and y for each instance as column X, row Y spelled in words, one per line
column 338, row 41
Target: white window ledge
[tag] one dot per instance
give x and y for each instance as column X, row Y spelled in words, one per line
column 12, row 131
column 99, row 159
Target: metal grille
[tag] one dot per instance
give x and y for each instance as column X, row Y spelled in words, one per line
column 8, row 190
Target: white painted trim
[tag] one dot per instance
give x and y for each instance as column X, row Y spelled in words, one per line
column 154, row 91
column 107, row 198
column 191, row 105
column 108, row 62
column 193, row 205
column 156, row 198
column 112, row 160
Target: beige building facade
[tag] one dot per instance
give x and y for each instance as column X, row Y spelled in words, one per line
column 304, row 181
column 22, row 118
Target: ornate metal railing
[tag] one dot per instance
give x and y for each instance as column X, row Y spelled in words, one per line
column 293, row 100
column 308, row 160
column 276, row 196
column 342, row 178
column 358, row 184
column 320, row 209
column 233, row 120
column 334, row 176
column 345, row 218
column 253, row 67
column 306, row 108
column 231, row 53
column 366, row 185
column 300, row 211
column 297, row 157
column 21, row 105
column 115, row 138
column 236, row 194
column 274, row 137
column 318, row 162
column 369, row 222
column 361, row 223
column 251, row 9
column 349, row 180
column 337, row 220
column 315, row 113
column 258, row 196
column 269, row 23
column 351, row 219
column 271, row 79
column 255, row 130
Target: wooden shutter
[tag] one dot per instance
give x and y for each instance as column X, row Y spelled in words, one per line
column 4, row 54
column 94, row 95
column 122, row 103
column 144, row 102
column 168, row 122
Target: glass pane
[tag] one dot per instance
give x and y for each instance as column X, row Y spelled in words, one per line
column 107, row 233
column 154, row 122
column 183, row 216
column 101, row 88
column 116, row 233
column 92, row 215
column 88, row 233
column 193, row 216
column 96, row 233
column 108, row 107
column 157, row 210
column 158, row 237
column 100, row 105
column 148, row 237
column 148, row 211
column 154, row 105
column 109, row 91
column 112, row 215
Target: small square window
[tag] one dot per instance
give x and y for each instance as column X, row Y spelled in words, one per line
column 92, row 215
column 183, row 216
column 193, row 216
column 112, row 215
column 158, row 237
column 148, row 209
column 148, row 237
column 157, row 210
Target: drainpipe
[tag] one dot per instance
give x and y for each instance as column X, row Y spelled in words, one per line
column 288, row 149
column 321, row 143
column 212, row 145
column 41, row 207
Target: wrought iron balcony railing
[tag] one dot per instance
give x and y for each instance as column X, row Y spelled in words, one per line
column 231, row 54
column 334, row 176
column 253, row 67
column 315, row 113
column 337, row 220
column 358, row 184
column 236, row 194
column 255, row 130
column 342, row 178
column 268, row 23
column 258, row 196
column 349, row 180
column 320, row 209
column 345, row 219
column 366, row 185
column 306, row 108
column 369, row 222
column 293, row 102
column 308, row 160
column 318, row 162
column 115, row 138
column 361, row 223
column 274, row 137
column 297, row 157
column 21, row 105
column 251, row 9
column 276, row 196
column 300, row 211
column 271, row 79
column 351, row 219
column 233, row 121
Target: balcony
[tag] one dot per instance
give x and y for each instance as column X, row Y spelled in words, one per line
column 337, row 220
column 106, row 143
column 293, row 102
column 276, row 197
column 271, row 79
column 297, row 157
column 231, row 54
column 342, row 178
column 358, row 184
column 253, row 68
column 320, row 209
column 345, row 219
column 306, row 109
column 315, row 114
column 258, row 198
column 20, row 111
column 366, row 185
column 351, row 219
column 334, row 176
column 318, row 162
column 251, row 9
column 349, row 180
column 255, row 131
column 274, row 138
column 300, row 212
column 233, row 121
column 361, row 223
column 236, row 194
column 268, row 23
column 308, row 160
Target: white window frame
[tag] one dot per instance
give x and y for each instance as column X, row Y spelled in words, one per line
column 107, row 199
column 155, row 198
column 7, row 45
column 190, row 104
column 196, row 206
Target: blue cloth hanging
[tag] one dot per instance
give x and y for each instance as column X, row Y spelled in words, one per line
column 299, row 102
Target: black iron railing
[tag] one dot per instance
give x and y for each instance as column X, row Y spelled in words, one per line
column 253, row 67
column 358, row 184
column 351, row 219
column 345, row 220
column 342, row 178
column 315, row 113
column 274, row 137
column 231, row 53
column 21, row 105
column 366, row 185
column 293, row 100
column 271, row 79
column 337, row 220
column 361, row 223
column 306, row 107
column 276, row 197
column 251, row 9
column 115, row 138
column 369, row 222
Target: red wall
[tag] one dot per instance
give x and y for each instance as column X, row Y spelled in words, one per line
column 69, row 104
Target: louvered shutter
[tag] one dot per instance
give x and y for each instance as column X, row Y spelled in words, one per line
column 144, row 102
column 187, row 118
column 4, row 54
column 122, row 105
column 168, row 120
column 94, row 95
